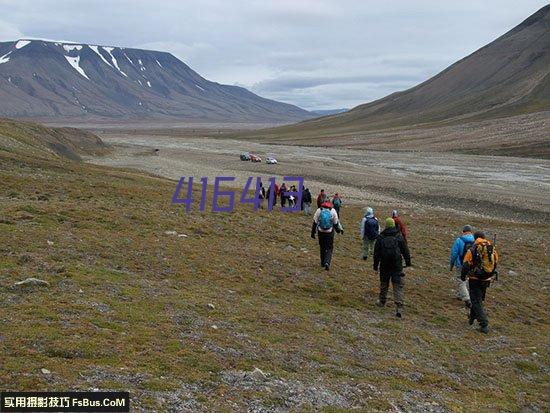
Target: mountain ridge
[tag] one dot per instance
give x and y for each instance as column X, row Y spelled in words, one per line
column 509, row 76
column 49, row 79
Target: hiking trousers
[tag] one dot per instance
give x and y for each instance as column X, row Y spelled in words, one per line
column 477, row 296
column 326, row 244
column 397, row 286
column 368, row 247
column 307, row 208
column 461, row 287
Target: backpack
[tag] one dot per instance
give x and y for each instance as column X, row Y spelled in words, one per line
column 484, row 258
column 337, row 202
column 390, row 251
column 371, row 228
column 467, row 246
column 325, row 219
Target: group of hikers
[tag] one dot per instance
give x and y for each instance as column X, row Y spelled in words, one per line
column 472, row 254
column 281, row 193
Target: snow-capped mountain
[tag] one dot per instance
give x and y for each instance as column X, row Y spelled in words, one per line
column 60, row 80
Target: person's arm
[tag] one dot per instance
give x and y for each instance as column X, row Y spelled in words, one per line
column 454, row 254
column 405, row 251
column 315, row 221
column 336, row 222
column 376, row 255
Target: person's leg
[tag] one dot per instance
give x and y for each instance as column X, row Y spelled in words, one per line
column 329, row 247
column 365, row 249
column 384, row 286
column 370, row 246
column 476, row 296
column 398, row 293
column 322, row 247
column 461, row 288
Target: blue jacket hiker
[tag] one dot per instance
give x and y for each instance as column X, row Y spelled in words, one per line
column 458, row 250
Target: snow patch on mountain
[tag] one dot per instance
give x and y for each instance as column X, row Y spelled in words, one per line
column 200, row 87
column 96, row 50
column 158, row 63
column 22, row 43
column 71, row 47
column 5, row 58
column 110, row 50
column 75, row 63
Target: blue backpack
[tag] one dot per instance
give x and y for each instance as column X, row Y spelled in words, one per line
column 325, row 219
column 371, row 228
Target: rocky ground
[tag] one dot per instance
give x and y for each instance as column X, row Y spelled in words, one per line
column 504, row 187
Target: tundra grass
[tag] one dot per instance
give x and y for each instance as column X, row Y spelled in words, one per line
column 127, row 307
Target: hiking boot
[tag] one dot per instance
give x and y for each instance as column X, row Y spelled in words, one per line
column 484, row 329
column 471, row 320
column 398, row 313
column 380, row 303
column 468, row 304
column 365, row 258
column 327, row 267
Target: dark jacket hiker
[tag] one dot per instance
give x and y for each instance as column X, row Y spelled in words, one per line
column 480, row 268
column 389, row 251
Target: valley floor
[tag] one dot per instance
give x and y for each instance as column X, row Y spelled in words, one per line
column 180, row 308
column 503, row 187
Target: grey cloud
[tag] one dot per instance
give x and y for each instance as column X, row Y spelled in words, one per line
column 293, row 83
column 313, row 53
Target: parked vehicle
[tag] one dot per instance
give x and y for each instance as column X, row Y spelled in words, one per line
column 245, row 156
column 271, row 161
column 255, row 158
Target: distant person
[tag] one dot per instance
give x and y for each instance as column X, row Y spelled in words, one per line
column 261, row 195
column 306, row 198
column 302, row 200
column 276, row 193
column 292, row 198
column 479, row 268
column 389, row 250
column 370, row 229
column 321, row 198
column 282, row 191
column 337, row 204
column 400, row 225
column 460, row 246
column 325, row 223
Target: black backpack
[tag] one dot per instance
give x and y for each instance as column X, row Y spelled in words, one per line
column 389, row 249
column 371, row 228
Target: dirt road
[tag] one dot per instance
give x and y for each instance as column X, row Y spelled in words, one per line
column 502, row 187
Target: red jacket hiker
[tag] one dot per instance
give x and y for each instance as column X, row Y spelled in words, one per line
column 400, row 224
column 322, row 197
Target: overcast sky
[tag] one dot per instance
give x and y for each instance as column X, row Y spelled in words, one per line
column 317, row 54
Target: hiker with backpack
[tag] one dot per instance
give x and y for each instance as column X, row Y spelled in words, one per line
column 389, row 251
column 479, row 268
column 306, row 199
column 321, row 198
column 282, row 191
column 337, row 204
column 325, row 223
column 400, row 225
column 460, row 246
column 370, row 229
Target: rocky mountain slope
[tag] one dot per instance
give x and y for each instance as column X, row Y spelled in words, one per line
column 54, row 80
column 508, row 77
